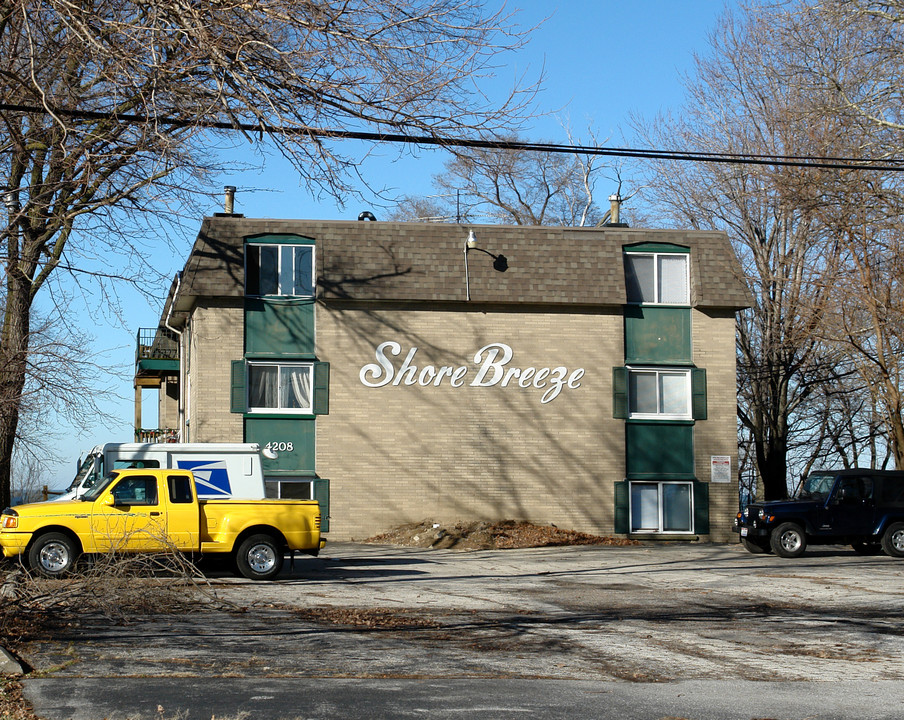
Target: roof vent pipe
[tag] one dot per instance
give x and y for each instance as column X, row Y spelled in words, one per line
column 230, row 199
column 614, row 208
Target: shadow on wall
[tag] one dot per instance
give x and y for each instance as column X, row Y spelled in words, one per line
column 480, row 453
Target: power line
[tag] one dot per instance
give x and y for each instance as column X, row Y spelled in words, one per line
column 801, row 161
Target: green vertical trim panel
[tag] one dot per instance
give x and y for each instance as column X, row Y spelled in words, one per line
column 621, row 525
column 701, row 508
column 620, row 392
column 658, row 335
column 321, row 493
column 321, row 403
column 237, row 401
column 292, row 438
column 279, row 327
column 659, row 450
column 698, row 393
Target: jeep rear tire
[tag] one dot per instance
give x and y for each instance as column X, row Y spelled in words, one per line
column 788, row 540
column 757, row 548
column 893, row 540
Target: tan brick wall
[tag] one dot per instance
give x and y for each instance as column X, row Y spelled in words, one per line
column 405, row 453
column 714, row 349
column 398, row 454
column 217, row 338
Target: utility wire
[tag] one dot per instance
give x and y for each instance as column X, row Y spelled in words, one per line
column 802, row 161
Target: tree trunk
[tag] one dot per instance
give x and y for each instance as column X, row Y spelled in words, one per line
column 772, row 463
column 13, row 369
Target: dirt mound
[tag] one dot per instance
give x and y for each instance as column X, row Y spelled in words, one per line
column 482, row 535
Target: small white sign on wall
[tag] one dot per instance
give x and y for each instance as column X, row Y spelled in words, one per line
column 720, row 468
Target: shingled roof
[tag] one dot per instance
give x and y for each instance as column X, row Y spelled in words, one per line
column 424, row 262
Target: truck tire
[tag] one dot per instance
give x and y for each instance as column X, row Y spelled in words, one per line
column 788, row 540
column 259, row 557
column 52, row 555
column 757, row 548
column 893, row 540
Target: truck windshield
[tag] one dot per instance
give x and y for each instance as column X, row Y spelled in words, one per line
column 95, row 491
column 87, row 474
column 817, row 486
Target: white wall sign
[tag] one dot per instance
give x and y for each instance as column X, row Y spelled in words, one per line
column 720, row 468
column 491, row 369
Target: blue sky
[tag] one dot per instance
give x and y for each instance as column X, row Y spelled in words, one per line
column 602, row 61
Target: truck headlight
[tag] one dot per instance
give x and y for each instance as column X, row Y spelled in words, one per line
column 10, row 519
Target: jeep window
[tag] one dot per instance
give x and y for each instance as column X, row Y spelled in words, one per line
column 817, row 486
column 855, row 489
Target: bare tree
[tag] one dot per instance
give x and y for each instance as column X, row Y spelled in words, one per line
column 769, row 213
column 504, row 185
column 108, row 105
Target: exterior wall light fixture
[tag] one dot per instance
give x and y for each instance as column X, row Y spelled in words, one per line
column 500, row 262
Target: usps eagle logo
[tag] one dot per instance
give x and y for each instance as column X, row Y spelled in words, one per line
column 211, row 477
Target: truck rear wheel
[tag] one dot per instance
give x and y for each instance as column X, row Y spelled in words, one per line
column 893, row 540
column 52, row 555
column 788, row 540
column 259, row 557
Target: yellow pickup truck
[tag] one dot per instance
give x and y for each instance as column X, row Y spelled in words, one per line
column 158, row 510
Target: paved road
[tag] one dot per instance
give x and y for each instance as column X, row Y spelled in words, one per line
column 701, row 631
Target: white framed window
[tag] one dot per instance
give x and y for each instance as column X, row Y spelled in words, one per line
column 280, row 387
column 279, row 270
column 659, row 393
column 657, row 278
column 662, row 507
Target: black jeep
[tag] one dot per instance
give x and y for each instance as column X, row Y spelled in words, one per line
column 862, row 508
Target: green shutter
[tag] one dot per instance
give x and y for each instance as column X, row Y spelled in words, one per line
column 322, row 495
column 621, row 508
column 321, row 388
column 698, row 393
column 620, row 392
column 701, row 508
column 237, row 394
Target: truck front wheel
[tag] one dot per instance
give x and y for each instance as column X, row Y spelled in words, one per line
column 893, row 540
column 788, row 540
column 259, row 557
column 52, row 555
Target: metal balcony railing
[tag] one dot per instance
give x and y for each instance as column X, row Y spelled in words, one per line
column 157, row 344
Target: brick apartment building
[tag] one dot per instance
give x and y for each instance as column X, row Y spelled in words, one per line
column 577, row 376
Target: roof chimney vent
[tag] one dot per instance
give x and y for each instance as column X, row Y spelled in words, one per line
column 230, row 199
column 614, row 208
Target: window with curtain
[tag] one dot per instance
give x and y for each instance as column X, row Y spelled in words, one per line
column 285, row 387
column 657, row 278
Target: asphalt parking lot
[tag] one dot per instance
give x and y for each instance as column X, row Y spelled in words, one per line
column 619, row 617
